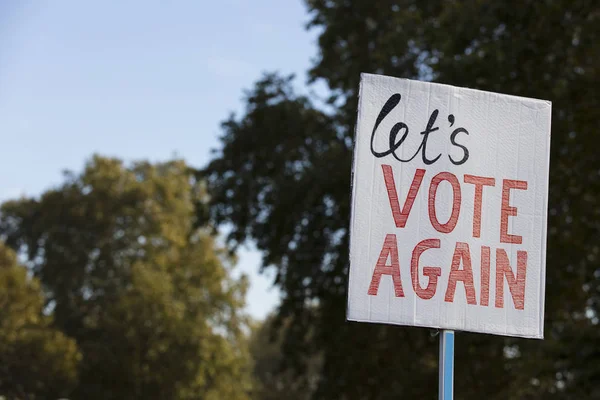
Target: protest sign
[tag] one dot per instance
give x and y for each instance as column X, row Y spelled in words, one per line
column 449, row 208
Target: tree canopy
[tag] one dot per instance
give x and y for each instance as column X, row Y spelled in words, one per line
column 273, row 379
column 123, row 272
column 282, row 179
column 36, row 360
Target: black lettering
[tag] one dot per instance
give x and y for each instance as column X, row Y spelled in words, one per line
column 400, row 131
column 385, row 110
column 465, row 150
column 425, row 134
column 393, row 133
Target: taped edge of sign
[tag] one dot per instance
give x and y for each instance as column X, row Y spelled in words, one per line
column 352, row 193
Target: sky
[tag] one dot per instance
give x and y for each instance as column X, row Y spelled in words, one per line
column 137, row 79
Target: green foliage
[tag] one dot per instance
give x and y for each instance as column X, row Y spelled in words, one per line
column 36, row 360
column 273, row 380
column 148, row 297
column 282, row 179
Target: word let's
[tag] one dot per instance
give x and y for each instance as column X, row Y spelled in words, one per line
column 394, row 143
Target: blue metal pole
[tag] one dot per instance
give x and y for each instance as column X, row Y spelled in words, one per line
column 446, row 365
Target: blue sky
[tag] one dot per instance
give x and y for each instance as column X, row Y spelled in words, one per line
column 138, row 80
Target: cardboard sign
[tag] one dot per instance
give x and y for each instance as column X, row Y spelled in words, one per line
column 449, row 208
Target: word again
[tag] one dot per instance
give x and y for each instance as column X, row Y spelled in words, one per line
column 464, row 275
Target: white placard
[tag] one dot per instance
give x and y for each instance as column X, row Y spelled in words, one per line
column 449, row 208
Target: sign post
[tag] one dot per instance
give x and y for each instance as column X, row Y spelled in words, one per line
column 449, row 211
column 446, row 365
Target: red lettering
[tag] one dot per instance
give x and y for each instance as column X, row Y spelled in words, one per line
column 479, row 182
column 461, row 253
column 432, row 272
column 390, row 247
column 515, row 285
column 507, row 210
column 400, row 216
column 485, row 276
column 451, row 224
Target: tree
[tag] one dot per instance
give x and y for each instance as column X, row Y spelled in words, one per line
column 36, row 360
column 273, row 380
column 147, row 296
column 283, row 171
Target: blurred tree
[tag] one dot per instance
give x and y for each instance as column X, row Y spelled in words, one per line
column 36, row 360
column 147, row 296
column 282, row 179
column 273, row 380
